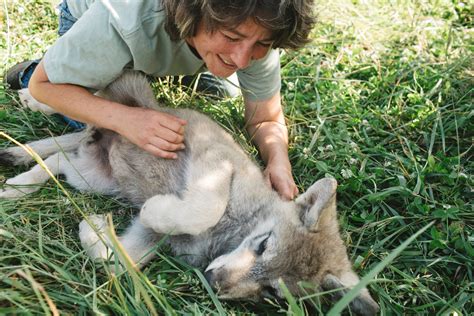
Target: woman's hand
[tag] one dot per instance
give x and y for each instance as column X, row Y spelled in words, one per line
column 278, row 176
column 158, row 133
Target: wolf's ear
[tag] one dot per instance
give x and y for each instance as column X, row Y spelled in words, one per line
column 363, row 304
column 319, row 197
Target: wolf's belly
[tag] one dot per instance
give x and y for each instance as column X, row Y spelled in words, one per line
column 141, row 175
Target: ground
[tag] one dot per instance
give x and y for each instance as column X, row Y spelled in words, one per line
column 381, row 100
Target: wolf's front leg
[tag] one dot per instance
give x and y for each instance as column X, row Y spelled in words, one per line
column 95, row 239
column 137, row 241
column 200, row 208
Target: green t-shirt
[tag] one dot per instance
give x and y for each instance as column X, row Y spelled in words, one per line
column 113, row 35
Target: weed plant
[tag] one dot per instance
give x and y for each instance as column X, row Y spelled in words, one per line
column 381, row 100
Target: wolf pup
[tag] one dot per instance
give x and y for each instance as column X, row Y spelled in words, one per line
column 212, row 203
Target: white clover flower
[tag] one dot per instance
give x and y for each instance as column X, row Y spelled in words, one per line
column 365, row 122
column 352, row 161
column 348, row 51
column 387, row 164
column 291, row 86
column 346, row 173
column 329, row 148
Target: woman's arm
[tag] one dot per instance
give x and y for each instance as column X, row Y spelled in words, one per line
column 158, row 133
column 266, row 126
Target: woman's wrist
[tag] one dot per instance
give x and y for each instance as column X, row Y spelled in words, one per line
column 278, row 156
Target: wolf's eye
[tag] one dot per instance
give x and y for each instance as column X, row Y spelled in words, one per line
column 270, row 292
column 262, row 246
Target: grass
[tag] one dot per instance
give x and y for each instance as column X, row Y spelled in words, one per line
column 382, row 100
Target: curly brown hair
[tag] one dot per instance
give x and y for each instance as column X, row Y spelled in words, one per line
column 290, row 21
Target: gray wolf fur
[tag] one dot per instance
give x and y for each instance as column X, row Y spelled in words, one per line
column 212, row 203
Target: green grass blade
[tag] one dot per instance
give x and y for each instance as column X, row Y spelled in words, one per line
column 349, row 297
column 215, row 300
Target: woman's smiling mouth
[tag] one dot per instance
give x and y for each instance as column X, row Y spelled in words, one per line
column 227, row 63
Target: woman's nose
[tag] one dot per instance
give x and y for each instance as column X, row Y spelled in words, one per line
column 242, row 56
column 245, row 54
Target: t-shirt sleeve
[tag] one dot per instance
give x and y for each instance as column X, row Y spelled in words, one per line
column 91, row 54
column 261, row 80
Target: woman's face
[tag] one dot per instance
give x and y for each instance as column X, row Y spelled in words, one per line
column 225, row 51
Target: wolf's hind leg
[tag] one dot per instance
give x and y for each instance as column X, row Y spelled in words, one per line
column 82, row 172
column 44, row 148
column 29, row 182
column 28, row 101
column 201, row 206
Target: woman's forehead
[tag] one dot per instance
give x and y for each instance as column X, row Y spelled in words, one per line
column 250, row 28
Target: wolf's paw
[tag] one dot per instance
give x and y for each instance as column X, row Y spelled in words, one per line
column 27, row 101
column 12, row 193
column 19, row 186
column 94, row 241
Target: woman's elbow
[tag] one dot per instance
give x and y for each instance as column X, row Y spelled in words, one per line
column 37, row 81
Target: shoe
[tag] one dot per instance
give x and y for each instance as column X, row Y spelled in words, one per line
column 18, row 76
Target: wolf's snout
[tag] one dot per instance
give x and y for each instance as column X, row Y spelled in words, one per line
column 209, row 275
column 217, row 281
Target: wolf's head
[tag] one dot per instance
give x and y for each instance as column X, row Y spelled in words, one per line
column 301, row 243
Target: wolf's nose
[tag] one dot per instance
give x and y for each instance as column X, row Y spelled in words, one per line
column 209, row 276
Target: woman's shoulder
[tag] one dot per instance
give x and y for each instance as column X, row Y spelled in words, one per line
column 126, row 16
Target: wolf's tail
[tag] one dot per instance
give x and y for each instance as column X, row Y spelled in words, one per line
column 131, row 88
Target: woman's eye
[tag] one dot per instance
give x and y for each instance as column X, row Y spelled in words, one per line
column 266, row 45
column 231, row 39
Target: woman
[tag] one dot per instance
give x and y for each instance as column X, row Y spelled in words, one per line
column 168, row 37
